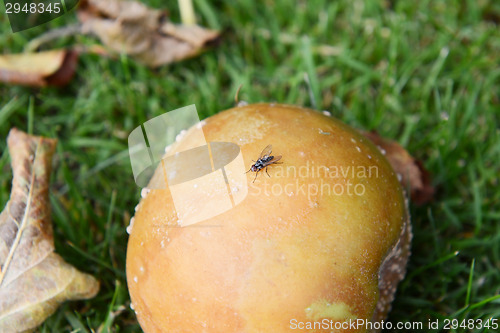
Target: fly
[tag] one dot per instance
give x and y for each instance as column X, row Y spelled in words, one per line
column 265, row 159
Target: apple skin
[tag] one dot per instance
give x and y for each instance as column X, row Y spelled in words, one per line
column 276, row 261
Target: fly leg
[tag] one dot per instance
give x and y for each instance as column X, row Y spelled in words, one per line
column 268, row 173
column 255, row 176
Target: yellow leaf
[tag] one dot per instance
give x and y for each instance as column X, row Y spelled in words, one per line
column 34, row 280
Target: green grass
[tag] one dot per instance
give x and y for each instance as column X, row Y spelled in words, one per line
column 426, row 73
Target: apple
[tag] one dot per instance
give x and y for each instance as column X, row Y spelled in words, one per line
column 319, row 243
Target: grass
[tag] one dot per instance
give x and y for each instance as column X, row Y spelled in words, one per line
column 426, row 73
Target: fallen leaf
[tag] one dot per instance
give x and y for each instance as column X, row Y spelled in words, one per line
column 39, row 69
column 143, row 33
column 412, row 172
column 33, row 279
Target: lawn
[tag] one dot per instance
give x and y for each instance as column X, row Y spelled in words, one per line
column 424, row 73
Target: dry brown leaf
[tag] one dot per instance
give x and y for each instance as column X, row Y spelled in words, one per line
column 413, row 174
column 33, row 279
column 143, row 33
column 40, row 69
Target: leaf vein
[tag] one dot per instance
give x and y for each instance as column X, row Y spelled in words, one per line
column 24, row 222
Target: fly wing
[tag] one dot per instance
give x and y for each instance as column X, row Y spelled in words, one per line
column 266, row 151
column 274, row 160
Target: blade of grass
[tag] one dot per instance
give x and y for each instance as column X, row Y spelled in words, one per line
column 97, row 260
column 311, row 76
column 31, row 114
column 469, row 284
column 8, row 109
